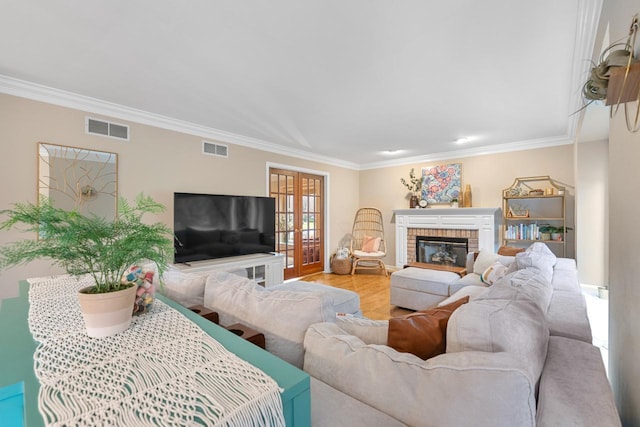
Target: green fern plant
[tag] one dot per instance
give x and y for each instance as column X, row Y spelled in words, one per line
column 89, row 244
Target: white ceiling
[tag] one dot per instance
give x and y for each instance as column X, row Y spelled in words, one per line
column 339, row 80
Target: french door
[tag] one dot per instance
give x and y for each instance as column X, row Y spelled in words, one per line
column 299, row 220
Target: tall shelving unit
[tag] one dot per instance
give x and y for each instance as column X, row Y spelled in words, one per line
column 530, row 206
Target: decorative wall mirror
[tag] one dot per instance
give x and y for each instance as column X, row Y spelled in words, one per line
column 76, row 178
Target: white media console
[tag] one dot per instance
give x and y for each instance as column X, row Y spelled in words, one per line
column 266, row 269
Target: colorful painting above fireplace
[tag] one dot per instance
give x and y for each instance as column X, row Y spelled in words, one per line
column 442, row 183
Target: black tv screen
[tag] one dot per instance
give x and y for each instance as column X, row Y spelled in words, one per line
column 210, row 226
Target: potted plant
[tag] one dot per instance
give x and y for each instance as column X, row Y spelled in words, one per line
column 454, row 202
column 549, row 232
column 89, row 244
column 414, row 185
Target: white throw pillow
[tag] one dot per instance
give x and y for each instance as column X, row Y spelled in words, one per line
column 186, row 289
column 495, row 271
column 485, row 260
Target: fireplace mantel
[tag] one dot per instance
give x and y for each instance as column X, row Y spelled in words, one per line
column 486, row 220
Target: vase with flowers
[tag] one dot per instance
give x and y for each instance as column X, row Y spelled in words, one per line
column 414, row 185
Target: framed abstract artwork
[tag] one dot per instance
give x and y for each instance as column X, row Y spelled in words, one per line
column 441, row 183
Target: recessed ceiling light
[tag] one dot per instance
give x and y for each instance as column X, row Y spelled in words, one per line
column 464, row 139
column 391, row 152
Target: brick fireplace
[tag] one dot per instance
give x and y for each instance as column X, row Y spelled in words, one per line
column 479, row 225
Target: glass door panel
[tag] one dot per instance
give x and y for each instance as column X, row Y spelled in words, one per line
column 312, row 224
column 300, row 220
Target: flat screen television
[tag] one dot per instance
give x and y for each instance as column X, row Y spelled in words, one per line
column 210, row 226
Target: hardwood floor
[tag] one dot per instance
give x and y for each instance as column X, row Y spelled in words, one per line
column 372, row 288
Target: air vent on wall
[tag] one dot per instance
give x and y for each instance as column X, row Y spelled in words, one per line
column 112, row 130
column 213, row 149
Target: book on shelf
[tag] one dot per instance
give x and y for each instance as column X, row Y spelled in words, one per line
column 523, row 232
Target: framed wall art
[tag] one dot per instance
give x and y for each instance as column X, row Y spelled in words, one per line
column 442, row 183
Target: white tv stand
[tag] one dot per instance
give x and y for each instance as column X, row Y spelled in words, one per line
column 266, row 269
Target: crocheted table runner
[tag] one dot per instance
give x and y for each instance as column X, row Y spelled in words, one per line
column 163, row 371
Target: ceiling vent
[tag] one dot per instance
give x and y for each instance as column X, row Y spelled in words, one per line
column 212, row 149
column 112, row 130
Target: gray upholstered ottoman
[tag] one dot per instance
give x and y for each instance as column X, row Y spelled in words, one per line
column 420, row 288
column 344, row 301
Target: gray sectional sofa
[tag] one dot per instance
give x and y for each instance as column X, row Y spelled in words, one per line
column 518, row 354
column 282, row 312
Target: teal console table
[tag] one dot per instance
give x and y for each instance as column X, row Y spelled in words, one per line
column 16, row 364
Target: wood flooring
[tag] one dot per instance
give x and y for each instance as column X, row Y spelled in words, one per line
column 373, row 290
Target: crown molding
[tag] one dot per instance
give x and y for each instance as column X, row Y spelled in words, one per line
column 37, row 92
column 474, row 152
column 587, row 21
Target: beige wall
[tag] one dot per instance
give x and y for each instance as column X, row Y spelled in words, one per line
column 592, row 220
column 159, row 162
column 624, row 235
column 155, row 161
column 487, row 175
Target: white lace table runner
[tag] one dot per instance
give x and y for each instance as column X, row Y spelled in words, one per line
column 163, row 371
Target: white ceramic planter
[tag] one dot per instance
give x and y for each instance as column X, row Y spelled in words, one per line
column 107, row 314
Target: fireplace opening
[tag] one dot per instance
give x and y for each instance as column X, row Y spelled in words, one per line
column 451, row 251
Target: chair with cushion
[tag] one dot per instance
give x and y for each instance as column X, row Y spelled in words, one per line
column 367, row 245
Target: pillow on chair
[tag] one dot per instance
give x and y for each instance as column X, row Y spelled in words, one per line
column 371, row 244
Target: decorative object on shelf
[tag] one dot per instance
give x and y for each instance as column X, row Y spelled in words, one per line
column 441, row 183
column 466, row 196
column 517, row 211
column 516, row 191
column 616, row 78
column 414, row 185
column 89, row 244
column 523, row 187
column 423, row 203
column 454, row 202
column 555, row 233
